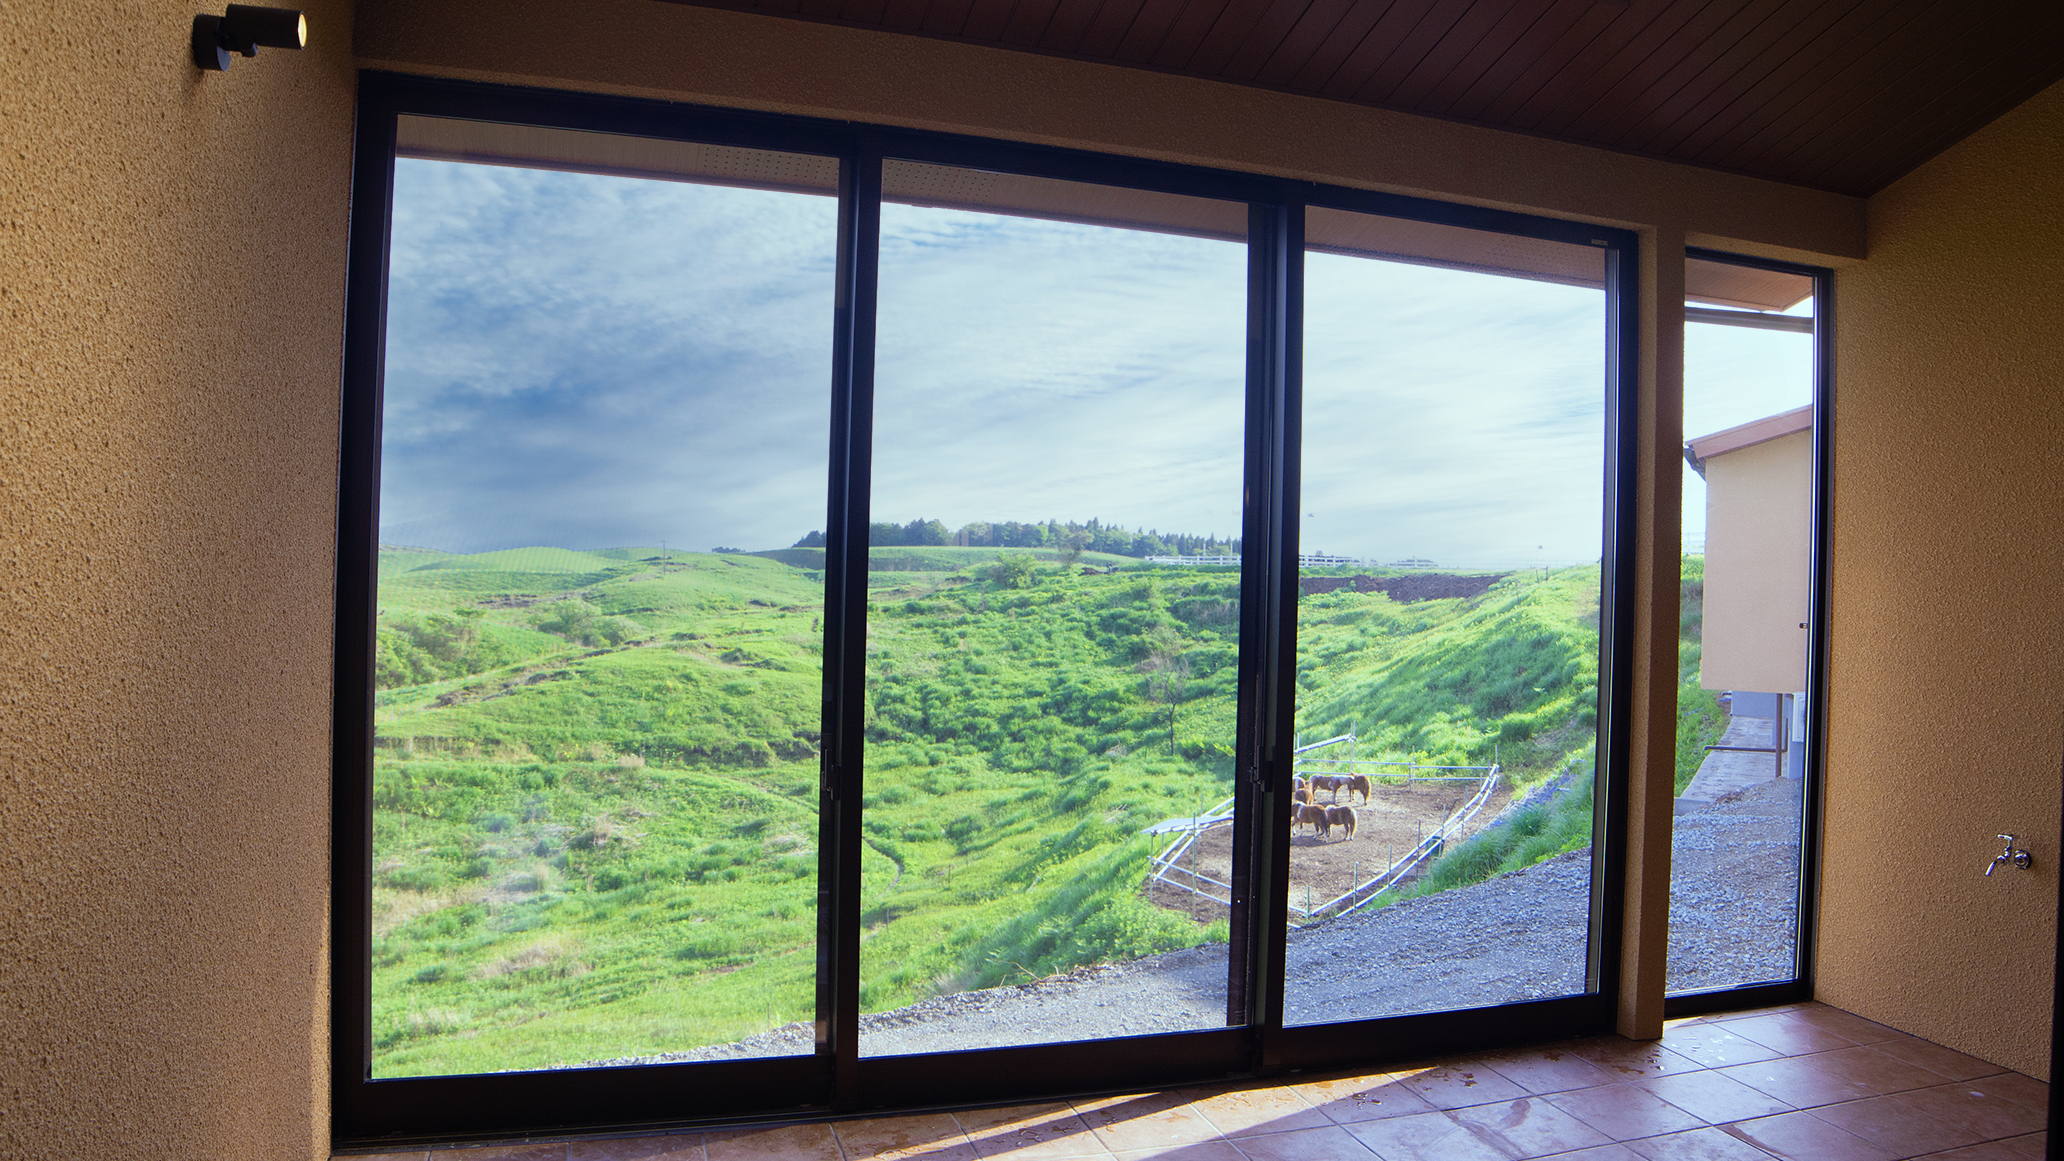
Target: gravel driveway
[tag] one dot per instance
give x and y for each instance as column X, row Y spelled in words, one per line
column 1734, row 888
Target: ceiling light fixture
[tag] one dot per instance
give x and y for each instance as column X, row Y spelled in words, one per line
column 244, row 28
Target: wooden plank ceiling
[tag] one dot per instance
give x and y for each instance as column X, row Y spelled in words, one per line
column 1843, row 95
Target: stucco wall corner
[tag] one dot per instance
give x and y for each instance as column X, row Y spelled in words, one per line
column 171, row 295
column 1947, row 687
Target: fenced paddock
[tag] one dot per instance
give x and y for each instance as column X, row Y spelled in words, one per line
column 1415, row 810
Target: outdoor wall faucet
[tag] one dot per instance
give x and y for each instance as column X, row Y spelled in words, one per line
column 2019, row 858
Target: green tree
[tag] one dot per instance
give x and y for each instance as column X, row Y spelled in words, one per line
column 1013, row 570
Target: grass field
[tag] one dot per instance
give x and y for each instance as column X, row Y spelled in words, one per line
column 595, row 826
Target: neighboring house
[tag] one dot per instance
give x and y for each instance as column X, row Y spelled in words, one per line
column 1759, row 539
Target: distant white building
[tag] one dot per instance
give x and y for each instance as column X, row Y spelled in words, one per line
column 1759, row 538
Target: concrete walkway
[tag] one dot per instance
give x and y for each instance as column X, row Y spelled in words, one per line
column 1726, row 771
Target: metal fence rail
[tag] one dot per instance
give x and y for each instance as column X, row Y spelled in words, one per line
column 1169, row 869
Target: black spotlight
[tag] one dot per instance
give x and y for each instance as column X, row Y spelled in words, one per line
column 243, row 28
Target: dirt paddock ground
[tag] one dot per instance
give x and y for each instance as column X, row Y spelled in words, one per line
column 1387, row 827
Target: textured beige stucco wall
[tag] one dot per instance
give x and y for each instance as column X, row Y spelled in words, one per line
column 1948, row 630
column 1759, row 540
column 171, row 290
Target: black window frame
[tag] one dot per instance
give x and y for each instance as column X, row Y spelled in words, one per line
column 836, row 1080
column 1799, row 987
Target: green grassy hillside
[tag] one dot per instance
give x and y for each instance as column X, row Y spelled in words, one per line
column 595, row 828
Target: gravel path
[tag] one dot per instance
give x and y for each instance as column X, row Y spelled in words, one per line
column 1734, row 887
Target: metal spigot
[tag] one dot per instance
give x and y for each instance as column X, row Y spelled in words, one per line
column 2019, row 858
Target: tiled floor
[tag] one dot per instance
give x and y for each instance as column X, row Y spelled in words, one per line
column 1802, row 1081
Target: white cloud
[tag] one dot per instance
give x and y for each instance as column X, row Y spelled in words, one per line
column 589, row 362
column 1451, row 415
column 1029, row 370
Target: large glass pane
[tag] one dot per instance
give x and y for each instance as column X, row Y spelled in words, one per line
column 1741, row 737
column 606, row 419
column 1447, row 624
column 1053, row 621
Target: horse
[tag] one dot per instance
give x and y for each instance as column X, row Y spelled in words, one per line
column 1316, row 816
column 1342, row 817
column 1300, row 797
column 1327, row 782
column 1359, row 783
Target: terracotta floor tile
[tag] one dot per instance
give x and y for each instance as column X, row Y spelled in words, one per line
column 1028, row 1132
column 1201, row 1151
column 1805, row 1137
column 2032, row 1145
column 2022, row 1090
column 1362, row 1098
column 1632, row 1059
column 1796, row 1083
column 1714, row 1097
column 782, row 1143
column 1866, row 1066
column 1968, row 1106
column 1460, row 1083
column 973, row 1121
column 1547, row 1069
column 937, row 1137
column 1425, row 1137
column 1845, row 1024
column 1713, row 1046
column 671, row 1147
column 1624, row 1111
column 1697, row 1145
column 1935, row 1058
column 1146, row 1121
column 1989, row 1151
column 1326, row 1143
column 1768, row 1010
column 1896, row 1126
column 1786, row 1032
column 540, row 1151
column 1531, row 1127
column 1242, row 1112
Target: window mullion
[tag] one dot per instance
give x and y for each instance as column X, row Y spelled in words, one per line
column 845, row 621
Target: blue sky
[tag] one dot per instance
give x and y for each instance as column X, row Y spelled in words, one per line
column 591, row 362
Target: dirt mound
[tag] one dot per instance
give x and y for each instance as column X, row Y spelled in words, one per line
column 1435, row 586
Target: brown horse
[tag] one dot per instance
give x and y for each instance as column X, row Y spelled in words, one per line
column 1342, row 817
column 1359, row 784
column 1327, row 782
column 1300, row 797
column 1316, row 817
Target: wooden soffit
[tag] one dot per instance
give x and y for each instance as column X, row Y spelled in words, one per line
column 1838, row 95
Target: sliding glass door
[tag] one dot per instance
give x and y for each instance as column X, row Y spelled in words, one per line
column 1450, row 597
column 1740, row 871
column 838, row 618
column 1054, row 596
column 595, row 713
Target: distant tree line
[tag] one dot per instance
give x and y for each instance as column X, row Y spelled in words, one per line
column 1095, row 536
